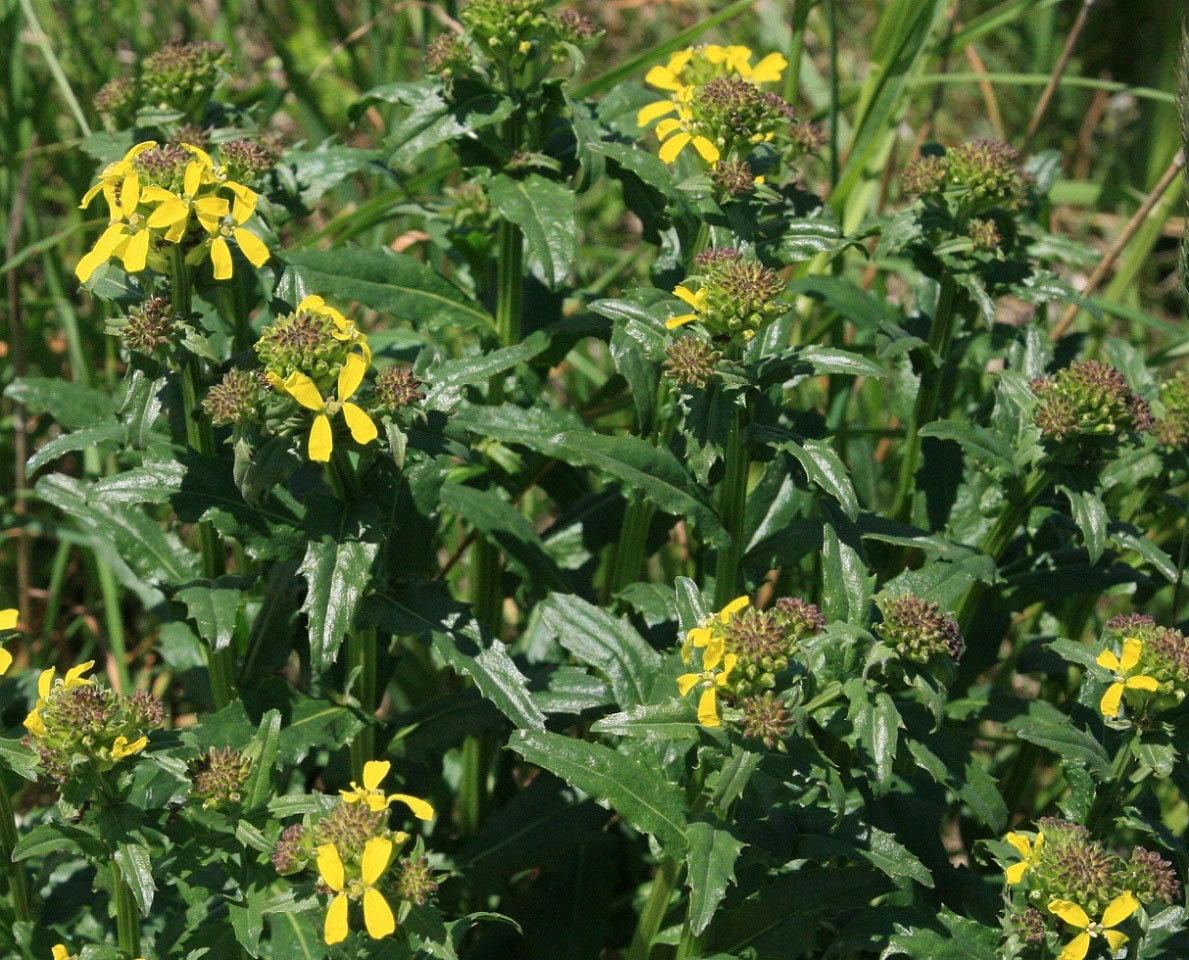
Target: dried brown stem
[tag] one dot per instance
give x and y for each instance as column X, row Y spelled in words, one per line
column 1046, row 98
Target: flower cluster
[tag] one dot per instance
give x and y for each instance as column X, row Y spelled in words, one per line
column 1068, row 876
column 1088, row 408
column 353, row 849
column 172, row 194
column 730, row 296
column 691, row 360
column 77, row 721
column 918, row 630
column 1150, row 654
column 179, row 77
column 978, row 174
column 744, row 652
column 218, row 776
column 714, row 103
column 1172, row 429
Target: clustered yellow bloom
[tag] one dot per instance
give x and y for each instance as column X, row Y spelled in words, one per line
column 1116, row 912
column 697, row 301
column 133, row 224
column 1125, row 678
column 1029, row 851
column 378, row 917
column 374, row 772
column 45, row 683
column 8, row 621
column 717, row 664
column 680, row 78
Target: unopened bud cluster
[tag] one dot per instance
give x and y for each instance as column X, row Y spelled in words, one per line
column 304, row 340
column 1172, row 429
column 1089, row 405
column 692, row 361
column 236, row 398
column 218, row 777
column 766, row 642
column 741, row 296
column 765, row 718
column 1164, row 655
column 918, row 630
column 148, row 327
column 979, row 173
column 179, row 77
column 397, row 388
column 416, row 880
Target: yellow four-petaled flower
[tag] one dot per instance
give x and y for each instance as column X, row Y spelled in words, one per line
column 302, row 389
column 374, row 772
column 1116, row 912
column 1125, row 679
column 1029, row 851
column 378, row 917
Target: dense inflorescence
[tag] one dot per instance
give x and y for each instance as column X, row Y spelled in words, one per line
column 918, row 630
column 218, row 777
column 1089, row 405
column 181, row 75
column 691, row 360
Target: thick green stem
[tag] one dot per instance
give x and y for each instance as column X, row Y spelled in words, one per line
column 925, row 411
column 655, row 908
column 1108, row 793
column 17, row 880
column 234, row 312
column 201, row 439
column 127, row 918
column 732, row 503
column 632, row 545
column 792, row 80
column 361, row 657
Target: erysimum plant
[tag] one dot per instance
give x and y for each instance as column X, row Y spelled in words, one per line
column 640, row 524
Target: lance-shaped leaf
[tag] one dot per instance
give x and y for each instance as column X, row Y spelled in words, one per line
column 544, row 211
column 711, row 860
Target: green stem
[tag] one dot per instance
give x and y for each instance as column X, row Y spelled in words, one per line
column 792, row 79
column 18, row 881
column 361, row 656
column 472, row 788
column 732, row 503
column 234, row 312
column 201, row 439
column 127, row 920
column 1105, row 798
column 632, row 544
column 690, row 944
column 936, row 367
column 115, row 622
column 655, row 908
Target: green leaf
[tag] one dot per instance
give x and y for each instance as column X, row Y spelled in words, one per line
column 433, row 120
column 711, row 860
column 610, row 645
column 47, row 839
column 958, row 939
column 532, row 426
column 802, row 238
column 989, row 448
column 213, row 607
column 831, row 360
column 1068, row 742
column 974, row 785
column 263, row 751
column 639, row 793
column 1089, row 513
column 450, row 377
column 673, row 720
column 391, row 283
column 544, row 211
column 826, row 470
column 653, row 471
column 81, row 439
column 877, row 723
column 846, row 585
column 507, row 527
column 136, row 867
column 70, row 404
column 316, row 171
column 337, row 568
column 860, row 841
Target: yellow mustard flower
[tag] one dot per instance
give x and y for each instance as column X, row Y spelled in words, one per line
column 1122, row 667
column 225, row 222
column 378, row 917
column 1029, row 852
column 8, row 621
column 60, row 952
column 374, row 772
column 173, row 210
column 127, row 234
column 1116, row 912
column 709, row 640
column 302, row 389
column 122, row 747
column 697, row 300
column 712, row 679
column 345, row 330
column 45, row 683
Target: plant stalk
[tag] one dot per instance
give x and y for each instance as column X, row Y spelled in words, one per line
column 732, row 504
column 127, row 920
column 17, row 879
column 941, row 337
column 655, row 908
column 361, row 656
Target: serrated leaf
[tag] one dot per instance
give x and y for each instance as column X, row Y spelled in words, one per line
column 831, row 360
column 958, row 939
column 71, row 404
column 213, row 606
column 983, row 445
column 136, row 867
column 1067, row 741
column 710, row 860
column 673, row 720
column 1089, row 513
column 846, row 585
column 81, row 439
column 544, row 211
column 825, row 470
column 450, row 377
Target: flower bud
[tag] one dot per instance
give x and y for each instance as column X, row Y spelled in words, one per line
column 917, row 629
column 1172, row 430
column 182, row 76
column 574, row 27
column 234, row 400
column 691, row 360
column 304, row 340
column 397, row 388
column 1088, row 402
column 984, row 234
column 349, row 826
column 246, row 161
column 988, row 169
column 446, row 53
column 1152, row 878
column 116, row 102
column 415, row 881
column 925, row 176
column 765, row 718
column 164, row 166
column 218, row 777
column 1071, row 865
column 290, row 853
column 149, row 325
column 733, row 177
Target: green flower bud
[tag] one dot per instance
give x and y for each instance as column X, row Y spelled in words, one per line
column 149, row 326
column 349, row 826
column 740, row 295
column 735, row 114
column 305, row 341
column 446, row 54
column 1031, row 925
column 925, row 176
column 218, row 776
column 182, row 76
column 247, row 161
column 1152, row 878
column 291, row 852
column 765, row 718
column 116, row 102
column 1089, row 405
column 733, row 177
column 397, row 388
column 917, row 629
column 691, row 360
column 574, row 27
column 163, row 166
column 984, row 233
column 1172, row 430
column 1071, row 865
column 1164, row 654
column 988, row 169
column 235, row 399
column 416, row 881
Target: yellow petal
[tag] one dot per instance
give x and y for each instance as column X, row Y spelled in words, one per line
column 302, row 389
column 122, row 748
column 8, row 618
column 715, row 52
column 728, row 664
column 1112, row 700
column 1108, row 660
column 1070, row 912
column 1132, row 647
column 74, row 676
column 60, row 952
column 1021, row 844
column 5, row 661
column 1015, row 873
column 34, row 724
column 203, row 157
column 243, row 207
column 1077, row 948
column 130, row 193
column 1115, row 939
column 175, row 233
column 351, row 376
column 667, row 127
column 673, row 146
column 654, row 111
column 1119, row 909
column 252, row 247
column 662, row 78
column 137, row 252
column 321, row 439
column 376, row 854
column 376, row 802
column 169, row 212
column 140, row 148
column 421, row 809
column 45, row 682
column 679, row 321
column 193, row 177
column 699, row 636
column 687, row 681
column 90, row 195
column 211, row 211
column 707, row 149
column 336, row 928
column 708, row 708
column 769, row 69
column 311, row 303
column 99, row 254
column 713, row 654
column 330, row 866
column 221, row 258
column 732, row 608
column 1143, row 682
column 363, row 430
column 374, row 772
column 377, row 915
column 684, row 294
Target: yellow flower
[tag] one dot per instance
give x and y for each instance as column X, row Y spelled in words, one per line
column 698, row 301
column 45, row 683
column 60, row 952
column 377, row 914
column 173, row 210
column 8, row 621
column 374, row 772
column 676, row 137
column 302, row 389
column 121, row 174
column 344, row 330
column 708, row 701
column 1028, row 850
column 1116, row 912
column 223, row 223
column 1112, row 701
column 768, row 70
column 709, row 640
column 122, row 748
column 126, row 238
